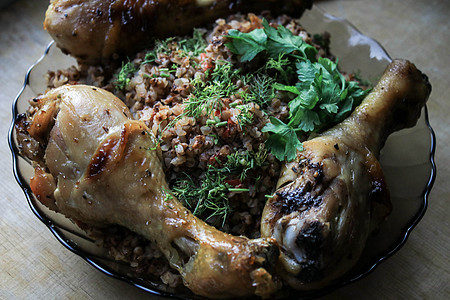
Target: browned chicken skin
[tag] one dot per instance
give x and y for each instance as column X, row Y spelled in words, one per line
column 97, row 166
column 94, row 30
column 334, row 194
column 100, row 167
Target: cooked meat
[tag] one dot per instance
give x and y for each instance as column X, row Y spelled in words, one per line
column 94, row 30
column 97, row 166
column 101, row 168
column 334, row 194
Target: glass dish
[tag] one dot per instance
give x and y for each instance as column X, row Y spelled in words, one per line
column 407, row 160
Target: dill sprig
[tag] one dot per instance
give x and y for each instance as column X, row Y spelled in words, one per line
column 195, row 45
column 260, row 89
column 245, row 117
column 123, row 77
column 160, row 47
column 206, row 95
column 241, row 162
column 283, row 65
column 209, row 196
column 187, row 47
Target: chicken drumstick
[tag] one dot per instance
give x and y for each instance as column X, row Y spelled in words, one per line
column 94, row 30
column 333, row 195
column 101, row 168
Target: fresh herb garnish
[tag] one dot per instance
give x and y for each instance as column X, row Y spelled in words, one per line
column 123, row 78
column 260, row 89
column 283, row 67
column 323, row 98
column 282, row 41
column 186, row 47
column 206, row 95
column 208, row 198
column 283, row 142
column 191, row 46
column 248, row 45
column 245, row 117
column 195, row 45
column 273, row 41
column 242, row 162
column 321, row 95
column 160, row 47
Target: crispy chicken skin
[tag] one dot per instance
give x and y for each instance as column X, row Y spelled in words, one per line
column 94, row 30
column 99, row 167
column 334, row 194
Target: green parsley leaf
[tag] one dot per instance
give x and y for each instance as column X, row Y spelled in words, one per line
column 273, row 41
column 282, row 41
column 247, row 44
column 323, row 98
column 283, row 143
column 286, row 88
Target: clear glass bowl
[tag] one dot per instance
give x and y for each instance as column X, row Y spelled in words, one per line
column 407, row 160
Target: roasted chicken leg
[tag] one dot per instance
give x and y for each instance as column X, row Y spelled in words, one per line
column 94, row 30
column 99, row 167
column 334, row 194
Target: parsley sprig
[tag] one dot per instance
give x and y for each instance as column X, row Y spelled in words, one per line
column 322, row 98
column 270, row 40
column 320, row 95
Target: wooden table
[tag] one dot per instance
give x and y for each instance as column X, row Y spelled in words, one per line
column 35, row 266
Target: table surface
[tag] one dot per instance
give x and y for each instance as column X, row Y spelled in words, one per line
column 35, row 265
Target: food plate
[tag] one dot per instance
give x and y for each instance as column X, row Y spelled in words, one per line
column 407, row 160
